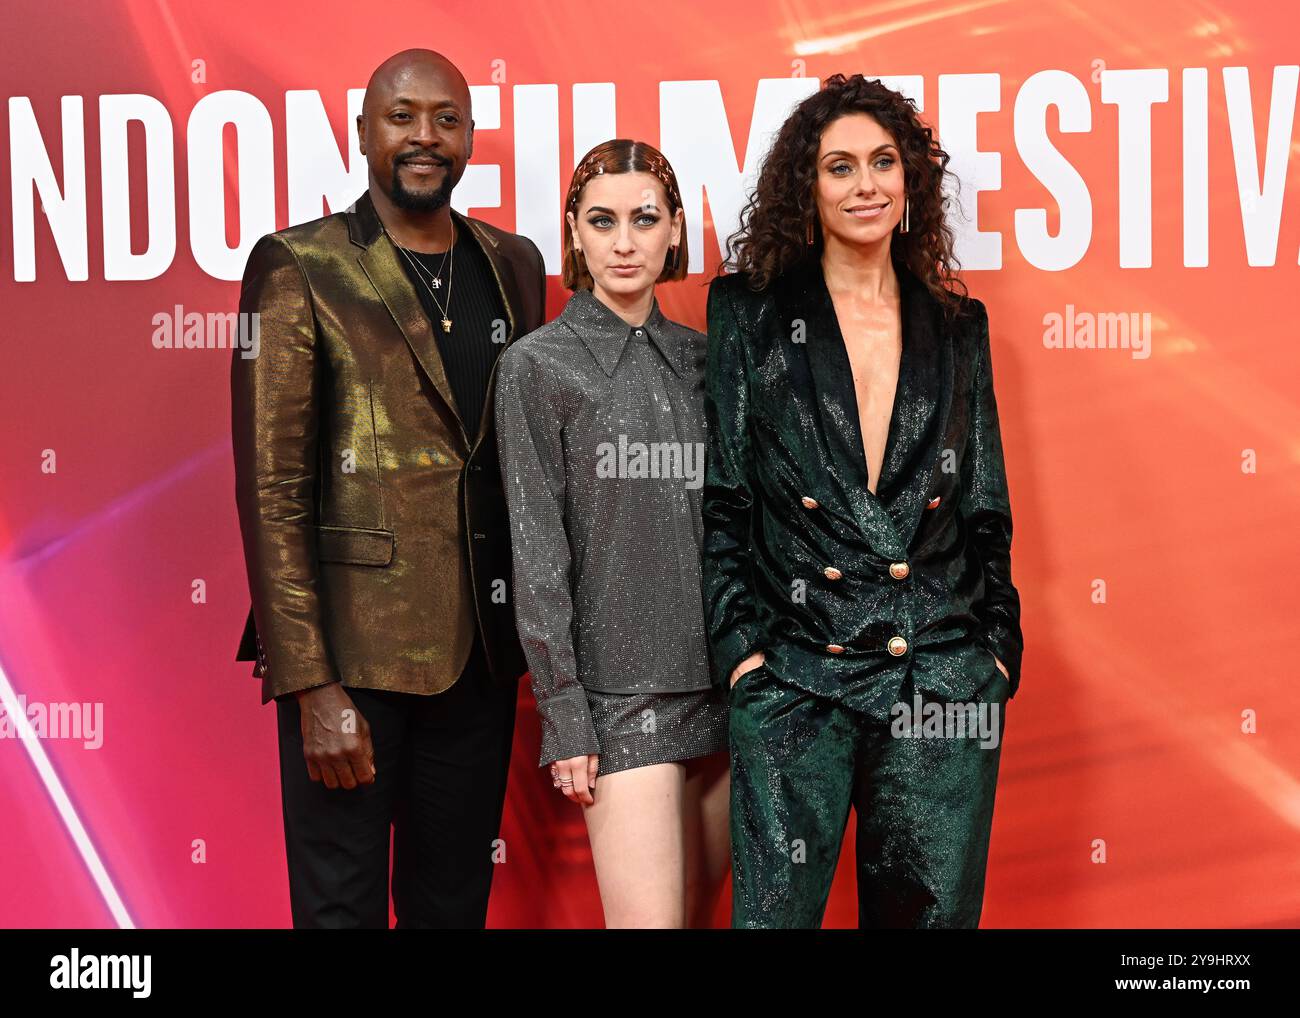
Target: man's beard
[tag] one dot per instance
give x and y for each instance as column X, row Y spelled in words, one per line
column 421, row 201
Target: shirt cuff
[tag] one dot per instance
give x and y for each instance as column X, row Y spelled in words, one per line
column 567, row 728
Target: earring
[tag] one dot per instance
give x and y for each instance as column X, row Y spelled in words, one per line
column 907, row 209
column 810, row 233
column 676, row 250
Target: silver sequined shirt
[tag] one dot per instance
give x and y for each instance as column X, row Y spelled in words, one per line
column 600, row 427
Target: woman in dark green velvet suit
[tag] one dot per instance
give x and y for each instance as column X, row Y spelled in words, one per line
column 857, row 542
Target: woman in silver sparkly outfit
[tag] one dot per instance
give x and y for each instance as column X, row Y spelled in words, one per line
column 600, row 425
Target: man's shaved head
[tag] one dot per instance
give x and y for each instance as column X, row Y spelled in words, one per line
column 403, row 71
column 415, row 129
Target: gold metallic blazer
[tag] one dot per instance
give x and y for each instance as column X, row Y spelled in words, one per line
column 373, row 519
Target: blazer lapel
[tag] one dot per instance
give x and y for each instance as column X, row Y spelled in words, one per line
column 888, row 518
column 505, row 276
column 921, row 406
column 379, row 261
column 508, row 286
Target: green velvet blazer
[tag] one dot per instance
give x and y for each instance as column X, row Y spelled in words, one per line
column 849, row 592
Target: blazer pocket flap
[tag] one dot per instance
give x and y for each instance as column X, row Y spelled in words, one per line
column 355, row 545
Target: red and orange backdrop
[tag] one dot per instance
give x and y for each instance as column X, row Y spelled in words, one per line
column 1130, row 218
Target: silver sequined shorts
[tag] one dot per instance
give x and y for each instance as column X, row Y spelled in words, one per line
column 640, row 729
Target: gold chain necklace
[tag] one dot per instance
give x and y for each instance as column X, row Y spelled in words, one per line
column 421, row 271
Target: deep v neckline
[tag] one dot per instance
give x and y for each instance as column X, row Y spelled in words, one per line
column 854, row 413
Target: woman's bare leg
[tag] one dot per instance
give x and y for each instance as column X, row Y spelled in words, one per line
column 707, row 818
column 637, row 844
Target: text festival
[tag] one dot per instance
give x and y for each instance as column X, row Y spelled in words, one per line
column 694, row 134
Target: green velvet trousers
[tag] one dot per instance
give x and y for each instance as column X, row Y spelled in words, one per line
column 922, row 790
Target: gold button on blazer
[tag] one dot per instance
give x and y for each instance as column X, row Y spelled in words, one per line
column 373, row 518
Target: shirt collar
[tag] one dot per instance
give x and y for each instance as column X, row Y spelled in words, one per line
column 605, row 334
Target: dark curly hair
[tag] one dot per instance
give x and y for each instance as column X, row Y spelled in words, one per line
column 774, row 223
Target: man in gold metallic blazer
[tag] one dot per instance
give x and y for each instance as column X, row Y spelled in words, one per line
column 374, row 522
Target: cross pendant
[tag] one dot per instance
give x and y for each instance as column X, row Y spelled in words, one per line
column 446, row 325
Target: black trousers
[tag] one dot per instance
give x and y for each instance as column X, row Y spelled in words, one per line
column 441, row 765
